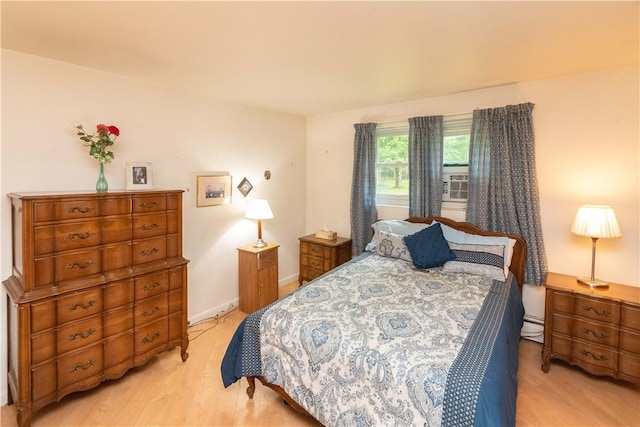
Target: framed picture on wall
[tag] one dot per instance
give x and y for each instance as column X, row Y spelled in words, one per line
column 139, row 176
column 213, row 190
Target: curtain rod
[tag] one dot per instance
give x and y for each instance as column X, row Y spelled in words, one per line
column 406, row 118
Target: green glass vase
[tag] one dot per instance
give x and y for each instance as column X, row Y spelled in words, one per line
column 102, row 186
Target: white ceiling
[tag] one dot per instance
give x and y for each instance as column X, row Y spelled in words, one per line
column 309, row 58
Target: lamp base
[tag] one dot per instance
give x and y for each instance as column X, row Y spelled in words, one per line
column 260, row 244
column 595, row 283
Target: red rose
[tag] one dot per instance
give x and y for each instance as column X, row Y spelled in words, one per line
column 114, row 130
column 102, row 129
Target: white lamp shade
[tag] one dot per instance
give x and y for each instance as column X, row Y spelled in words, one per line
column 258, row 209
column 596, row 221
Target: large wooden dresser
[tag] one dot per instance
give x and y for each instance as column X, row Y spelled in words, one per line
column 99, row 285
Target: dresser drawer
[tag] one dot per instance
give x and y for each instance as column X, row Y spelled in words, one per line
column 62, row 237
column 116, row 206
column 117, row 255
column 629, row 366
column 630, row 317
column 118, row 293
column 562, row 302
column 118, row 320
column 43, row 315
column 310, row 273
column 77, row 264
column 43, row 346
column 151, row 284
column 66, row 209
column 153, row 203
column 80, row 365
column 151, row 335
column 311, row 249
column 312, row 262
column 151, row 309
column 43, row 381
column 597, row 309
column 116, row 229
column 600, row 356
column 78, row 334
column 267, row 259
column 79, row 305
column 630, row 341
column 175, row 301
column 145, row 226
column 595, row 332
column 119, row 349
column 148, row 250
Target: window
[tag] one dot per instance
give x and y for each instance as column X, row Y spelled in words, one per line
column 392, row 165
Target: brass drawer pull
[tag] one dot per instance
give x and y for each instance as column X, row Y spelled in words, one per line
column 146, row 227
column 602, row 357
column 315, row 264
column 86, row 366
column 83, row 306
column 147, row 339
column 151, row 286
column 148, row 205
column 149, row 313
column 149, row 252
column 73, row 265
column 72, row 236
column 595, row 334
column 89, row 332
column 602, row 312
column 316, row 250
column 84, row 210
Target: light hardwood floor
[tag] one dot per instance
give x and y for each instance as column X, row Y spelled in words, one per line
column 168, row 392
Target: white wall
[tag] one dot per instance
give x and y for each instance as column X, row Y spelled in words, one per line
column 587, row 151
column 182, row 135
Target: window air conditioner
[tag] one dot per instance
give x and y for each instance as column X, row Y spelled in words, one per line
column 455, row 187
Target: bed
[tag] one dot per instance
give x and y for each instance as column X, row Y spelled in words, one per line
column 412, row 332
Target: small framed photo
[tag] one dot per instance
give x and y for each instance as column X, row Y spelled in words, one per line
column 139, row 176
column 213, row 190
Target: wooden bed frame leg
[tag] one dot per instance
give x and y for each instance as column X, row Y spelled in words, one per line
column 252, row 387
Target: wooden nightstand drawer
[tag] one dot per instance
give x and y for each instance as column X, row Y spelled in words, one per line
column 630, row 317
column 630, row 341
column 595, row 332
column 267, row 259
column 603, row 357
column 597, row 309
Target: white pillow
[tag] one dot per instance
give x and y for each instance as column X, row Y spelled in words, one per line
column 392, row 245
column 457, row 236
column 394, row 226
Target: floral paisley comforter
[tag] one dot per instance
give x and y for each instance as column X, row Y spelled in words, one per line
column 379, row 342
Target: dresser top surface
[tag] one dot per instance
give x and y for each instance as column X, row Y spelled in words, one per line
column 311, row 238
column 615, row 291
column 63, row 194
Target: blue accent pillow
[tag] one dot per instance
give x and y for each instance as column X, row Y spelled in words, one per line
column 428, row 247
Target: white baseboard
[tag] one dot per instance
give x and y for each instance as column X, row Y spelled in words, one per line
column 532, row 331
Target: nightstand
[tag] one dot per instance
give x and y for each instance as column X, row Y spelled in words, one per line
column 258, row 276
column 317, row 256
column 597, row 329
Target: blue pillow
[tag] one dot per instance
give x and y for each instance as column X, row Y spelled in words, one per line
column 428, row 247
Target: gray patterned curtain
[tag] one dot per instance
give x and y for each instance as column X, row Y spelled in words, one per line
column 425, row 165
column 363, row 186
column 503, row 188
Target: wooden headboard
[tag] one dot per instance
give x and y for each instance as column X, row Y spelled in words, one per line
column 519, row 250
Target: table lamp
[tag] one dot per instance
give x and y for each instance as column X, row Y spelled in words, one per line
column 597, row 222
column 259, row 209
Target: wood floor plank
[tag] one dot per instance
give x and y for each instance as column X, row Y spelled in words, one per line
column 169, row 392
